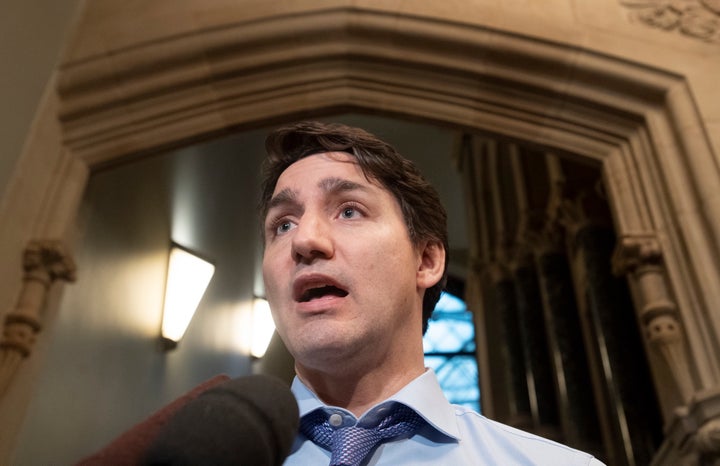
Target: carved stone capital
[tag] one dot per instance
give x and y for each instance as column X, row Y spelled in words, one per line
column 44, row 261
column 635, row 251
column 707, row 441
column 693, row 436
column 51, row 257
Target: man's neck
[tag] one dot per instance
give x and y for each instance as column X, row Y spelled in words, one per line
column 358, row 389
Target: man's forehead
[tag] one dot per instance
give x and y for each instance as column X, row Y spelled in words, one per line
column 327, row 157
column 329, row 162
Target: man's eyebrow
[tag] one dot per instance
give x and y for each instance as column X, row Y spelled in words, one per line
column 286, row 196
column 331, row 185
column 335, row 185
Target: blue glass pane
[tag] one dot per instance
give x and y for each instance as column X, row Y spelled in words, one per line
column 450, row 351
column 450, row 333
column 449, row 302
column 458, row 379
column 451, row 327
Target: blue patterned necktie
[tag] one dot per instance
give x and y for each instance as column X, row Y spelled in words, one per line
column 350, row 445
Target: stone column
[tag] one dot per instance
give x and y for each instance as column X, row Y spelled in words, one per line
column 539, row 371
column 640, row 258
column 505, row 303
column 43, row 263
column 576, row 407
column 694, row 427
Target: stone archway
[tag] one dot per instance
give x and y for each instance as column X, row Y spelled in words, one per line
column 639, row 123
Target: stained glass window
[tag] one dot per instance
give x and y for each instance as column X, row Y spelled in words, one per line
column 449, row 346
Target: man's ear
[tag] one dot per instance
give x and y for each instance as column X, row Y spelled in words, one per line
column 432, row 264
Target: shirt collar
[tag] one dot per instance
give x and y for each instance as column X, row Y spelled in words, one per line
column 423, row 394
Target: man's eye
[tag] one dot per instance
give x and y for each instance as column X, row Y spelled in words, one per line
column 283, row 227
column 349, row 212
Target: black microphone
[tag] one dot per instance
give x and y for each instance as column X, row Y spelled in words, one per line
column 249, row 421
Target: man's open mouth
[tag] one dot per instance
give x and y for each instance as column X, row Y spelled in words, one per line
column 321, row 292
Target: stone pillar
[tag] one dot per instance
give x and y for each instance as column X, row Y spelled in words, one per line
column 576, row 407
column 640, row 257
column 694, row 427
column 539, row 371
column 505, row 303
column 43, row 263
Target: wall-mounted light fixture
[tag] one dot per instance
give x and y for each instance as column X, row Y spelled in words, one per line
column 187, row 279
column 263, row 327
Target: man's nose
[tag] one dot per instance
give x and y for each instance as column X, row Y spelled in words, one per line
column 312, row 239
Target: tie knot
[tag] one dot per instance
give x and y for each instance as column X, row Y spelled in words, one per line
column 350, row 445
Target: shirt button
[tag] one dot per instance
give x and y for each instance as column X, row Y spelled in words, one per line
column 335, row 420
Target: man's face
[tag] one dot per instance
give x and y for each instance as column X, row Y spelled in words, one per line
column 341, row 273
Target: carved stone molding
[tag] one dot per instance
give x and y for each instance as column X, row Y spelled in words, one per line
column 707, row 441
column 44, row 261
column 693, row 436
column 640, row 257
column 633, row 252
column 699, row 19
column 51, row 257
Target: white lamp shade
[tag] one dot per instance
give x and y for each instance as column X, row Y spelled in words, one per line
column 263, row 327
column 188, row 278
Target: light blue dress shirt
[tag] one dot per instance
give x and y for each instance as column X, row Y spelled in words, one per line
column 455, row 436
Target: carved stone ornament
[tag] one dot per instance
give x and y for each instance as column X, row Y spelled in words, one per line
column 43, row 263
column 707, row 441
column 636, row 251
column 640, row 256
column 51, row 257
column 699, row 19
column 695, row 429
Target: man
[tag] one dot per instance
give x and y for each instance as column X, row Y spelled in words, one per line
column 354, row 262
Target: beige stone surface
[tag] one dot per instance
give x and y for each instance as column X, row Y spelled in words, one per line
column 604, row 27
